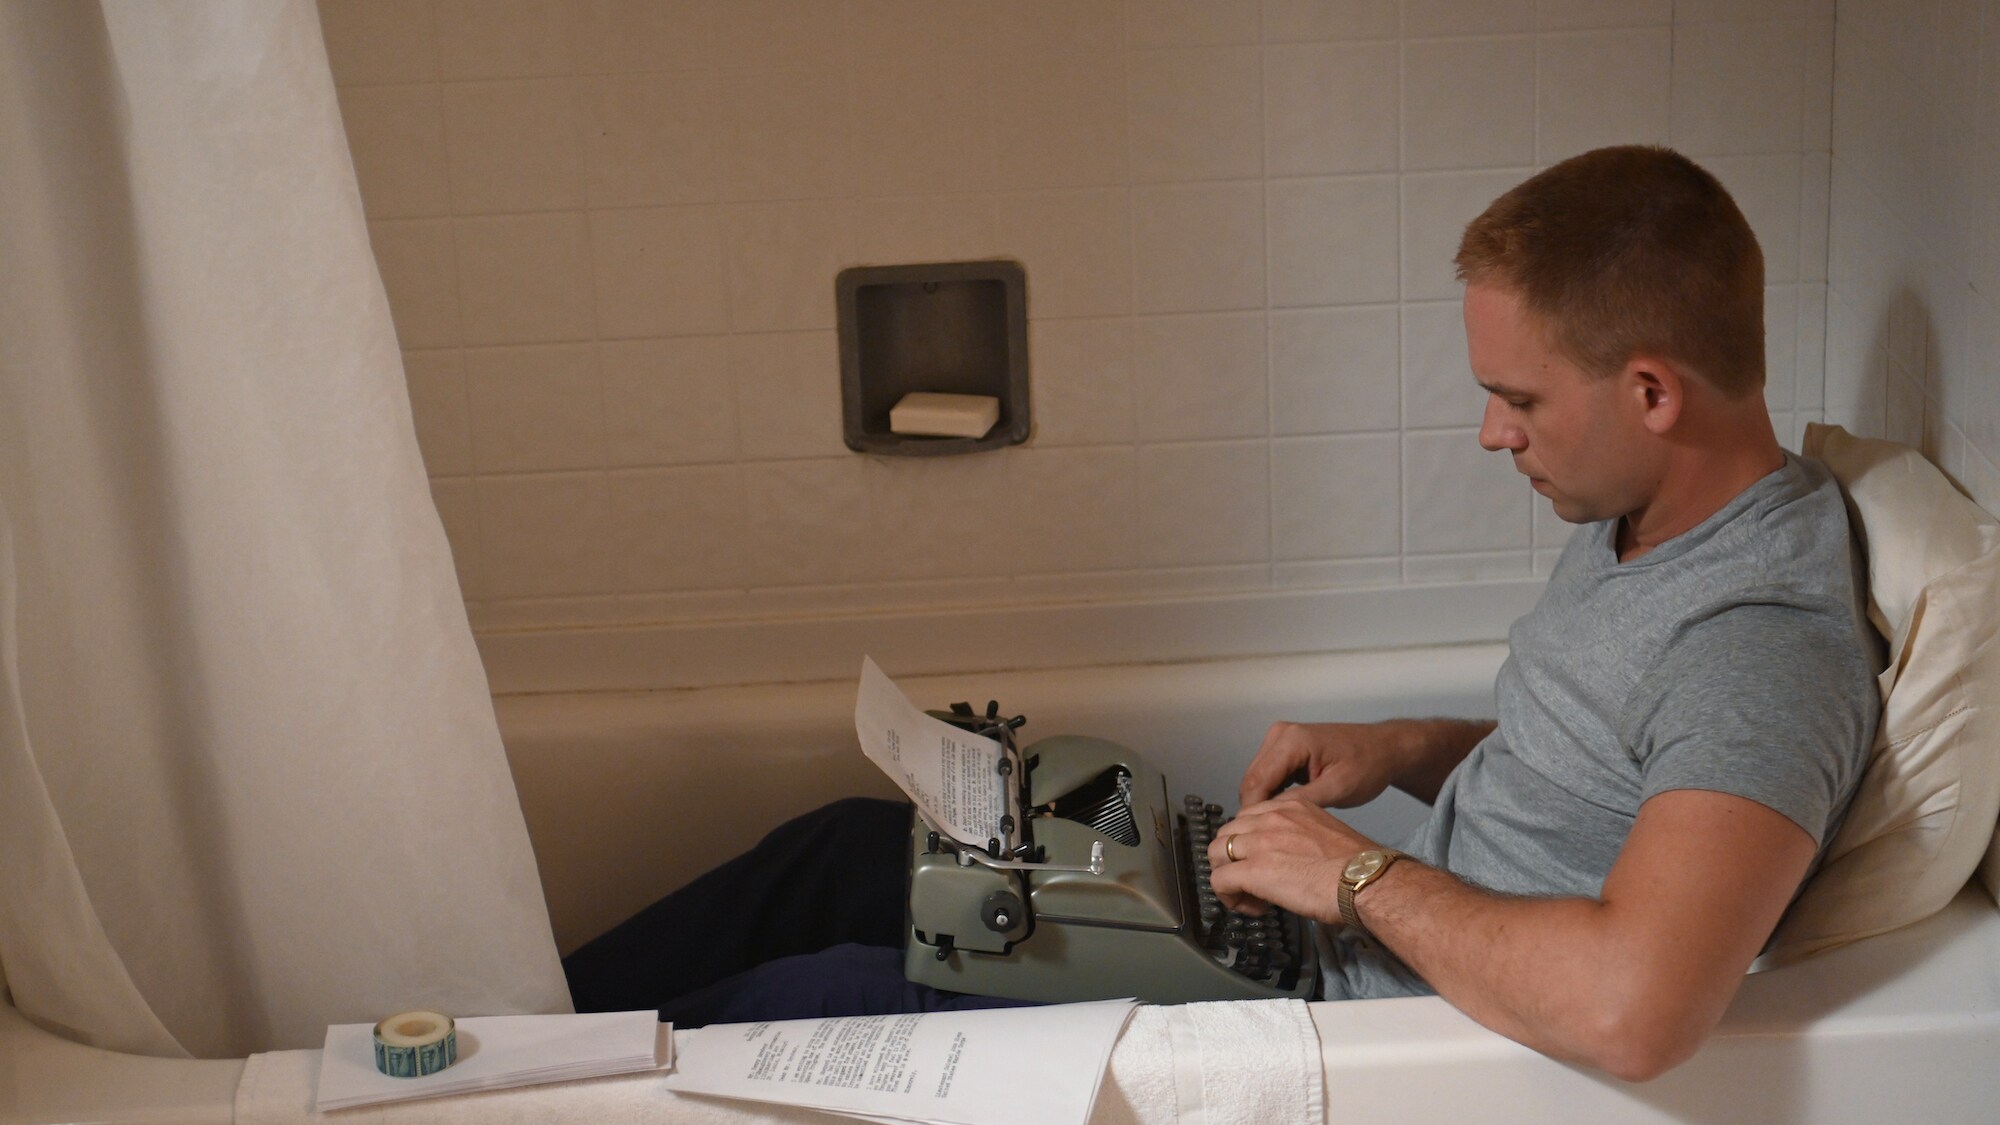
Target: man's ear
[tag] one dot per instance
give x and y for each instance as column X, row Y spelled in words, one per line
column 1660, row 390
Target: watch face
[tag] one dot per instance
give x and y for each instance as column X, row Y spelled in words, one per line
column 1364, row 865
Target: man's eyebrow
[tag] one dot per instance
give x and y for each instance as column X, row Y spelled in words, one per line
column 1502, row 389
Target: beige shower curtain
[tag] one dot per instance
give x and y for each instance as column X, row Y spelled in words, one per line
column 250, row 781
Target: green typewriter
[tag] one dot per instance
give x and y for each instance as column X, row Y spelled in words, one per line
column 1095, row 886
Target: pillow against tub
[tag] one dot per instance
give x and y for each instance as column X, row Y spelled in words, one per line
column 1923, row 817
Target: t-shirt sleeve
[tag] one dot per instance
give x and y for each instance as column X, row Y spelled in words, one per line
column 1771, row 701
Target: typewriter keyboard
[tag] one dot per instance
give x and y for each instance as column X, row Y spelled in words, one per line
column 1268, row 948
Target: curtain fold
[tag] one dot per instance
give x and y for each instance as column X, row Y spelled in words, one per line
column 250, row 779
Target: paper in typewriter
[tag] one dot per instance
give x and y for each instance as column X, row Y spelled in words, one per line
column 952, row 775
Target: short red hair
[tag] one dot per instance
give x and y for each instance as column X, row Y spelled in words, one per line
column 1628, row 250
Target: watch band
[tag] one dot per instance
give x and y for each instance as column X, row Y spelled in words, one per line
column 1377, row 860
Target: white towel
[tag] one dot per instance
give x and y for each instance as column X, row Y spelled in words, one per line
column 1253, row 1062
column 1238, row 1062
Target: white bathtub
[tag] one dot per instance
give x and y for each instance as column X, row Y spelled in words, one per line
column 627, row 793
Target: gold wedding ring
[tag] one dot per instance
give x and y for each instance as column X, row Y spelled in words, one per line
column 1229, row 847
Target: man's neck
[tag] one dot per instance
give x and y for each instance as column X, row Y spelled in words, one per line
column 1699, row 481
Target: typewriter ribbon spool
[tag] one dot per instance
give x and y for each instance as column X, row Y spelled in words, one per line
column 413, row 1044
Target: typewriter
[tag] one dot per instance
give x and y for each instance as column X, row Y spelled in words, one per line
column 1096, row 887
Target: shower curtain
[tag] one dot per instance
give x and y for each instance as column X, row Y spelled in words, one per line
column 250, row 779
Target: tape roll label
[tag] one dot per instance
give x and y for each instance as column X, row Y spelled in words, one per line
column 413, row 1044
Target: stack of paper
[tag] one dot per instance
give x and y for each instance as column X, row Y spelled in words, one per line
column 496, row 1052
column 997, row 1066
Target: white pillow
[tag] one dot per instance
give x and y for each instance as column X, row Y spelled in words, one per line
column 1923, row 817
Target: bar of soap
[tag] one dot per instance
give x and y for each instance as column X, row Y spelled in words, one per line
column 924, row 414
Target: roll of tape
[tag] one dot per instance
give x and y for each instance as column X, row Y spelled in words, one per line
column 413, row 1044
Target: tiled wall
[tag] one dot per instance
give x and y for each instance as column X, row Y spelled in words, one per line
column 1913, row 340
column 610, row 228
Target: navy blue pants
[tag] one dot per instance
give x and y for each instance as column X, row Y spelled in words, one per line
column 810, row 922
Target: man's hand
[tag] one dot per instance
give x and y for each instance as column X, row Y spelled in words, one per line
column 1341, row 765
column 1286, row 853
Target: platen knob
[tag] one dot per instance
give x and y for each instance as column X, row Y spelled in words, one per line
column 1002, row 911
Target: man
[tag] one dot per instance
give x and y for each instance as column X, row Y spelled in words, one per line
column 1682, row 719
column 1686, row 712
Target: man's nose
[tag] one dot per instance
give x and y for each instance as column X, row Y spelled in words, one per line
column 1497, row 432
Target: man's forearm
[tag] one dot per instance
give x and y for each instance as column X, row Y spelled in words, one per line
column 1631, row 981
column 1534, row 970
column 1432, row 748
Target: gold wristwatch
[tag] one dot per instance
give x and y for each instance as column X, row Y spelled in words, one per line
column 1362, row 870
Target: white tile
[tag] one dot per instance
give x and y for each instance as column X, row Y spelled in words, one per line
column 1337, row 573
column 660, row 271
column 1189, row 23
column 1816, row 86
column 1057, row 25
column 1738, row 87
column 1602, row 87
column 785, row 133
column 940, row 140
column 1482, row 566
column 396, row 136
column 674, row 529
column 535, row 408
column 668, row 402
column 1706, row 11
column 779, row 32
column 654, row 139
column 1422, row 18
column 535, row 531
column 1336, row 497
column 923, row 228
column 1199, row 377
column 782, row 261
column 513, row 146
column 379, row 40
column 502, row 38
column 420, row 274
column 1319, row 21
column 1058, row 120
column 808, row 523
column 457, row 503
column 925, row 506
column 1436, row 209
column 1195, row 114
column 1468, row 103
column 1075, row 245
column 1766, row 190
column 1903, row 411
column 1459, row 498
column 1553, row 15
column 1333, row 370
column 1075, row 507
column 1333, row 242
column 1331, row 108
column 905, row 29
column 641, row 36
column 1198, row 247
column 437, row 402
column 788, row 394
column 1815, row 212
column 1204, row 504
column 1809, row 392
column 1438, row 389
column 1781, row 346
column 1081, row 372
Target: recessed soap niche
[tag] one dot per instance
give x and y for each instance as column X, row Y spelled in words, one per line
column 944, row 327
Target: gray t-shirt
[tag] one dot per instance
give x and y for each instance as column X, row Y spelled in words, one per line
column 1736, row 657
